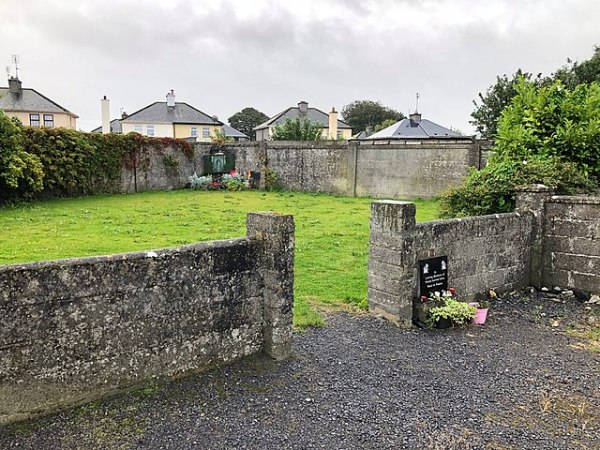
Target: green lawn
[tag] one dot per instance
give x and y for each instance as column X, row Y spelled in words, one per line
column 332, row 233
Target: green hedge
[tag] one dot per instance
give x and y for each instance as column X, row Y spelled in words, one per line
column 44, row 162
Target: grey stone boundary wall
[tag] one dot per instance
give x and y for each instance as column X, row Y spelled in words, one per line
column 74, row 330
column 571, row 246
column 549, row 240
column 409, row 168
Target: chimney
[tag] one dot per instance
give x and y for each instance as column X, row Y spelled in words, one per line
column 415, row 118
column 123, row 115
column 303, row 107
column 171, row 98
column 333, row 123
column 105, row 104
column 14, row 86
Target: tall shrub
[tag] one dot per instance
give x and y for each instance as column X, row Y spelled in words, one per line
column 297, row 130
column 548, row 135
column 21, row 173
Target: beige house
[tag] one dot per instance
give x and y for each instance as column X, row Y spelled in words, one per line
column 332, row 127
column 32, row 108
column 171, row 119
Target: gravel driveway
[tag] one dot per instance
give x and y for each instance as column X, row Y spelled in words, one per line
column 518, row 382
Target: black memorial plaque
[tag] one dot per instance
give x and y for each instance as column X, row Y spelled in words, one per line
column 433, row 275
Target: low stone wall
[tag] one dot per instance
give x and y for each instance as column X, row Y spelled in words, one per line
column 73, row 330
column 486, row 252
column 549, row 241
column 571, row 249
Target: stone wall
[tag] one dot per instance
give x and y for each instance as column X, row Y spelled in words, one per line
column 486, row 252
column 549, row 241
column 73, row 330
column 410, row 168
column 571, row 250
column 407, row 169
column 154, row 170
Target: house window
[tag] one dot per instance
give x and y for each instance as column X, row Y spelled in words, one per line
column 137, row 129
column 34, row 120
column 340, row 134
column 150, row 130
column 194, row 131
column 49, row 120
column 205, row 133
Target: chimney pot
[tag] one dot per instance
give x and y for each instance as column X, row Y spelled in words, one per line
column 105, row 107
column 415, row 118
column 303, row 107
column 14, row 86
column 171, row 98
column 333, row 124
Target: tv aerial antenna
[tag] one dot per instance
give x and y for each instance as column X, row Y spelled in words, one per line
column 16, row 60
column 418, row 96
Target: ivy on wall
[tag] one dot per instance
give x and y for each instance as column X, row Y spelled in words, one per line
column 68, row 163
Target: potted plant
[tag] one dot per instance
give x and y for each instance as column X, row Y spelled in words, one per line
column 453, row 312
column 481, row 314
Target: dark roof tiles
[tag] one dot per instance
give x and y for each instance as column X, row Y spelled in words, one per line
column 313, row 114
column 423, row 129
column 30, row 100
column 159, row 112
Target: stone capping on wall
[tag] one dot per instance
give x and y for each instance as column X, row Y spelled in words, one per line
column 392, row 143
column 76, row 329
column 574, row 199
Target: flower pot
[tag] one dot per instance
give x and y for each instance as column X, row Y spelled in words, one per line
column 480, row 316
column 443, row 323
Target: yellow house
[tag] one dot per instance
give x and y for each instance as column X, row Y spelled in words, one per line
column 333, row 128
column 32, row 108
column 171, row 119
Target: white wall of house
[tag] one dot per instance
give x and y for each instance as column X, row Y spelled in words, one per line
column 160, row 129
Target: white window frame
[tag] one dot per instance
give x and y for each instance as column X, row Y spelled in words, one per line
column 150, row 130
column 138, row 129
column 194, row 132
column 205, row 133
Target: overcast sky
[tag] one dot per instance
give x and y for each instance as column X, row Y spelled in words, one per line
column 223, row 55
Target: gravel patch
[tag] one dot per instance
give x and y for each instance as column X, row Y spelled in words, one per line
column 518, row 382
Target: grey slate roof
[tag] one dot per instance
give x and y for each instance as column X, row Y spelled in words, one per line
column 30, row 100
column 115, row 127
column 408, row 129
column 232, row 132
column 313, row 114
column 159, row 112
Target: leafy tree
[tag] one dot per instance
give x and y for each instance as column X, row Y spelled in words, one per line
column 498, row 96
column 576, row 73
column 20, row 172
column 493, row 102
column 548, row 134
column 386, row 123
column 361, row 114
column 297, row 130
column 246, row 119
